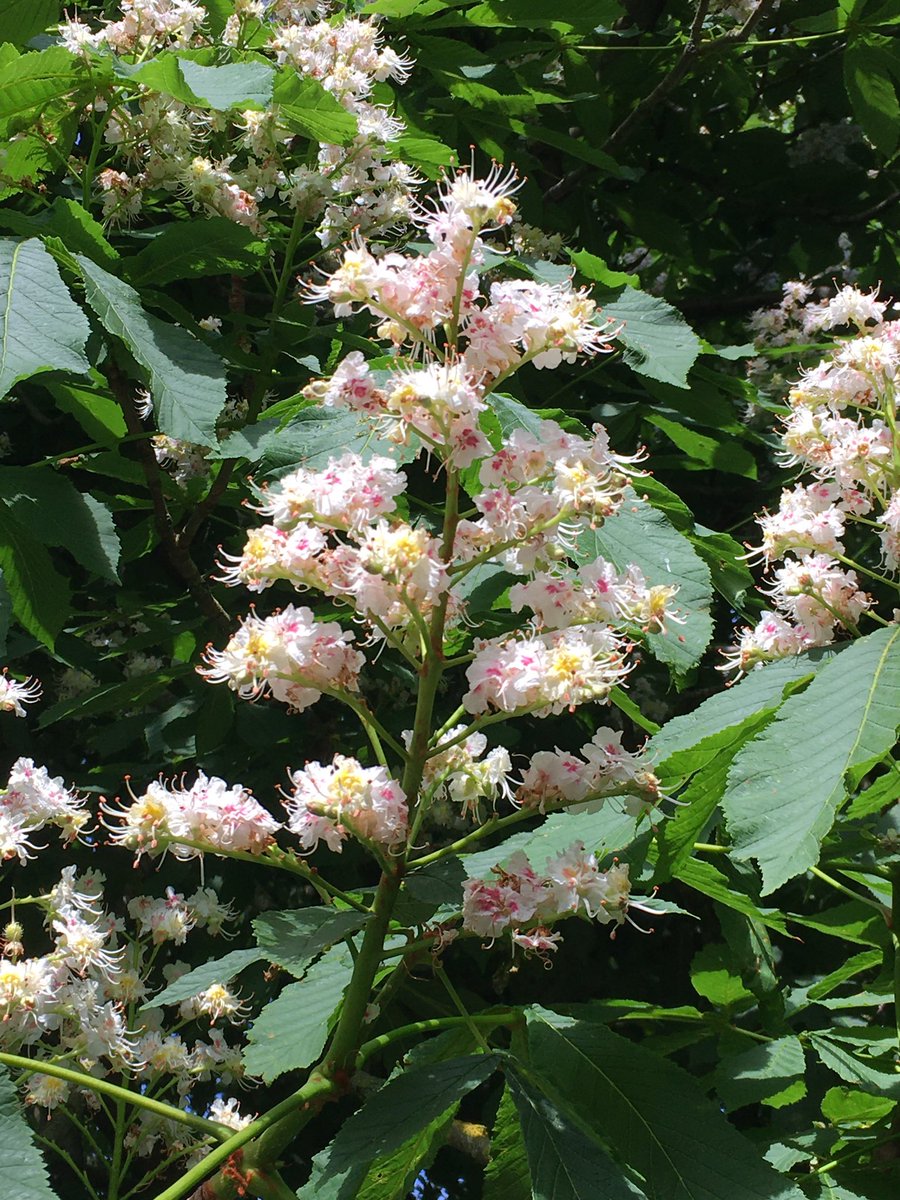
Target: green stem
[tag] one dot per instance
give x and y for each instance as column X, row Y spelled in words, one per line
column 471, row 839
column 301, row 1105
column 87, row 179
column 417, row 1028
column 79, row 1079
column 484, row 722
column 70, row 1163
column 895, row 942
column 465, row 1015
column 850, row 562
column 284, row 278
column 116, row 1169
column 841, row 887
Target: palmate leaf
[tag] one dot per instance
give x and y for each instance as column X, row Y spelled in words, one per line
column 187, row 380
column 402, row 1108
column 30, row 81
column 68, row 221
column 294, row 938
column 687, row 743
column 785, row 786
column 21, row 1166
column 217, row 970
column 20, row 20
column 507, row 1176
column 566, row 1161
column 640, row 534
column 191, row 249
column 653, row 1115
column 768, row 1073
column 233, row 85
column 391, row 1175
column 864, row 1075
column 658, row 341
column 39, row 594
column 701, row 797
column 291, row 1031
column 603, row 832
column 58, row 514
column 41, row 326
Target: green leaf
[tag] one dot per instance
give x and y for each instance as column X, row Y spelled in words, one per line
column 762, row 1074
column 653, row 1114
column 41, row 328
column 294, row 938
column 701, row 798
column 403, row 1107
column 51, row 508
column 23, row 1170
column 846, row 1106
column 196, row 248
column 506, row 1176
column 853, row 1069
column 686, row 743
column 864, row 961
column 391, row 1176
column 306, row 107
column 511, row 414
column 704, row 878
column 291, row 1031
column 217, row 970
column 603, row 832
column 310, row 439
column 187, row 380
column 716, row 453
column 882, row 792
column 716, row 977
column 428, row 154
column 244, row 85
column 565, row 17
column 72, row 224
column 565, row 1161
column 785, row 787
column 595, row 268
column 642, row 535
column 98, row 415
column 20, row 20
column 658, row 342
column 868, row 71
column 32, row 80
column 39, row 594
column 159, row 74
column 115, row 697
column 851, row 922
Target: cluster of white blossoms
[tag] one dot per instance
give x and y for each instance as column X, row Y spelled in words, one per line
column 459, row 770
column 78, row 1001
column 288, row 655
column 605, row 769
column 349, row 532
column 527, row 903
column 243, row 169
column 841, row 432
column 207, row 814
column 32, row 800
column 15, row 695
column 330, row 802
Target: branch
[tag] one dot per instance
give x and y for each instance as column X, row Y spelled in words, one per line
column 692, row 53
column 123, row 1095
